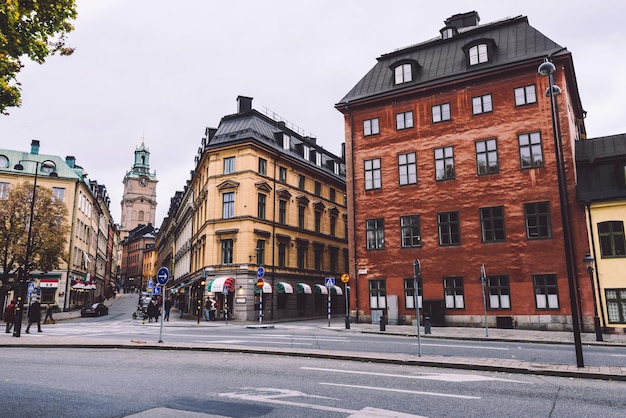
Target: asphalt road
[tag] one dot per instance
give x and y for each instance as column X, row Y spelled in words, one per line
column 145, row 383
column 314, row 335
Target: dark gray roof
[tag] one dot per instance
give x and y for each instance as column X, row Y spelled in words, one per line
column 606, row 147
column 253, row 125
column 442, row 60
column 601, row 168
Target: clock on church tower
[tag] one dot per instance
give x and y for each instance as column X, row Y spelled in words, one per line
column 139, row 196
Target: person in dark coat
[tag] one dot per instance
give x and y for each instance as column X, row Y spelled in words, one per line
column 49, row 315
column 151, row 310
column 168, row 307
column 9, row 315
column 34, row 315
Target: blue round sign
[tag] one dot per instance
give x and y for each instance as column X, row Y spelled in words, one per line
column 260, row 272
column 163, row 275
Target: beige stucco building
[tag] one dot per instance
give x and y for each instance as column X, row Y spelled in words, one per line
column 261, row 194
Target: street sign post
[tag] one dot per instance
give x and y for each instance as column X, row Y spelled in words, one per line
column 225, row 293
column 163, row 275
column 330, row 284
column 345, row 279
column 259, row 285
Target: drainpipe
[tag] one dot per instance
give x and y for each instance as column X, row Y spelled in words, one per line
column 71, row 250
column 273, row 238
column 354, row 239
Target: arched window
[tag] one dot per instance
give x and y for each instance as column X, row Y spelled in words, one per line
column 478, row 54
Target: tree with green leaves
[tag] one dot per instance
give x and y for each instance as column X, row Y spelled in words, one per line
column 30, row 28
column 49, row 232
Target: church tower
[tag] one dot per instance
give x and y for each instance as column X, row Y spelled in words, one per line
column 139, row 198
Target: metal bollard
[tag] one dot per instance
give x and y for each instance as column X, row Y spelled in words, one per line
column 426, row 325
column 383, row 322
column 347, row 322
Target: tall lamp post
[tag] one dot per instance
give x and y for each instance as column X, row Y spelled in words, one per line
column 588, row 260
column 548, row 69
column 21, row 284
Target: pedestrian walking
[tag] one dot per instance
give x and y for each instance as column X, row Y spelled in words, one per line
column 207, row 309
column 34, row 315
column 151, row 310
column 181, row 307
column 168, row 307
column 49, row 315
column 213, row 309
column 9, row 315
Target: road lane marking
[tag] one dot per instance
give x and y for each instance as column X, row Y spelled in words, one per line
column 413, row 392
column 474, row 347
column 445, row 377
column 265, row 395
column 249, row 342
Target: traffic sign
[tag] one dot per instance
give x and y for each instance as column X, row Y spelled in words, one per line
column 163, row 275
column 150, row 283
column 260, row 283
column 225, row 291
column 31, row 287
column 157, row 290
column 260, row 272
column 330, row 282
column 345, row 278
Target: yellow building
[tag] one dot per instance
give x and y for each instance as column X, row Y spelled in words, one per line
column 601, row 165
column 89, row 270
column 263, row 195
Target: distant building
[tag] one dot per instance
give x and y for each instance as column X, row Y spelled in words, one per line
column 92, row 244
column 138, row 261
column 601, row 169
column 450, row 151
column 139, row 196
column 261, row 194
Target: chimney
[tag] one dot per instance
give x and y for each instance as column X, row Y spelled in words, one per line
column 34, row 147
column 244, row 104
column 463, row 20
column 71, row 161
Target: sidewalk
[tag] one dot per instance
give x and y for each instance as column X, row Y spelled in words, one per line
column 338, row 324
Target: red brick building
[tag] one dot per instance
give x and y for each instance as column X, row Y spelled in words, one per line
column 450, row 156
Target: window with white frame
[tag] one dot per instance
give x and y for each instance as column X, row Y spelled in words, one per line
column 404, row 120
column 478, row 54
column 306, row 152
column 499, row 292
column 525, row 95
column 403, row 73
column 370, row 127
column 318, row 159
column 546, row 291
column 453, row 292
column 373, row 174
column 482, row 104
column 286, row 142
column 441, row 112
column 407, row 168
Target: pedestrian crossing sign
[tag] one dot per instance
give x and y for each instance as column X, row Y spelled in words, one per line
column 330, row 282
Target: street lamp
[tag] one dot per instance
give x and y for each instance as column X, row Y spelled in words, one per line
column 588, row 260
column 548, row 69
column 19, row 309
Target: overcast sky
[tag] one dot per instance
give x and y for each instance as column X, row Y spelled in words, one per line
column 164, row 70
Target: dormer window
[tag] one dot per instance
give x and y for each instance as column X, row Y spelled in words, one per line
column 448, row 32
column 478, row 54
column 404, row 71
column 403, row 74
